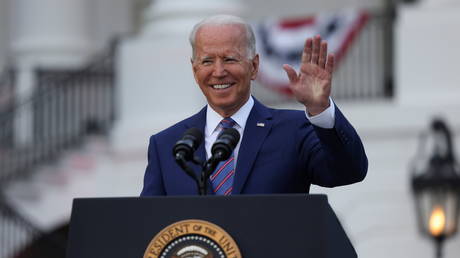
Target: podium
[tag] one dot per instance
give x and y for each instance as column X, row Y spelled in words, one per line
column 288, row 226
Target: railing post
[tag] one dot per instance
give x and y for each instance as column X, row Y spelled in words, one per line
column 23, row 122
column 389, row 47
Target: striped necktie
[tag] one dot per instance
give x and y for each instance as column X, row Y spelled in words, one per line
column 222, row 178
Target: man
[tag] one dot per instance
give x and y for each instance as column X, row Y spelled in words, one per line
column 280, row 151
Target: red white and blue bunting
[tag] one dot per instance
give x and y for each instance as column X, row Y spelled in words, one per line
column 281, row 42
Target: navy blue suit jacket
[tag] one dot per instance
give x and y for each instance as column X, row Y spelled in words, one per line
column 284, row 156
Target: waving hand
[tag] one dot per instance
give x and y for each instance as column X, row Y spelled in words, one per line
column 312, row 85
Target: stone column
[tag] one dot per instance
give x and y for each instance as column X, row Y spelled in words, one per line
column 46, row 33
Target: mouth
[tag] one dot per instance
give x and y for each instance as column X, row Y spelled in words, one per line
column 222, row 86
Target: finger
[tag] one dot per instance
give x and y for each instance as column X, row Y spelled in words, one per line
column 315, row 51
column 330, row 63
column 291, row 73
column 322, row 54
column 306, row 54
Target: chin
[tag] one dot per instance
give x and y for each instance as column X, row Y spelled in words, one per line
column 224, row 105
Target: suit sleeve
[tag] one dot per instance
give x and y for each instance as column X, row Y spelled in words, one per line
column 153, row 180
column 337, row 156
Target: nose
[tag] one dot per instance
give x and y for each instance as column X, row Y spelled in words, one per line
column 219, row 69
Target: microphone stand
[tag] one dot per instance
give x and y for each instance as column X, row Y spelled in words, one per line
column 183, row 164
column 207, row 168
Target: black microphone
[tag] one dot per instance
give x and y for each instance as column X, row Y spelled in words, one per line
column 225, row 144
column 187, row 145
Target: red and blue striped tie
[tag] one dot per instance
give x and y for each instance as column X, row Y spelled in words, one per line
column 222, row 178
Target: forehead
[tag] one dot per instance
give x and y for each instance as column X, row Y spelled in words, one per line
column 220, row 38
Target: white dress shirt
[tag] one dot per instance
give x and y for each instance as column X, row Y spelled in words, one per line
column 212, row 129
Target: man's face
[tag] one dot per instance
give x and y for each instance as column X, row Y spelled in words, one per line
column 221, row 67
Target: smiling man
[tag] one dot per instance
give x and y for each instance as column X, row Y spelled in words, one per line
column 224, row 66
column 280, row 151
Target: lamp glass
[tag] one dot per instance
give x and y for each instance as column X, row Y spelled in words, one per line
column 439, row 208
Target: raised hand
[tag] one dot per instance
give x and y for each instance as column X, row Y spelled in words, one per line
column 312, row 86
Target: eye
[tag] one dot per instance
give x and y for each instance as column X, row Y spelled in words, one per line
column 230, row 60
column 206, row 62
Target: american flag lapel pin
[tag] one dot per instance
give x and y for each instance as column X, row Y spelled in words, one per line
column 260, row 124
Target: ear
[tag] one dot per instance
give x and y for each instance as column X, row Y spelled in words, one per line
column 255, row 67
column 194, row 68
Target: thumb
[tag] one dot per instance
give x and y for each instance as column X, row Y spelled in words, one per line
column 291, row 73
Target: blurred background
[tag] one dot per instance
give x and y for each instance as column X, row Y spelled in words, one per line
column 84, row 83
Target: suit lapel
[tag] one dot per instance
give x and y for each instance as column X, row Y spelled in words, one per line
column 257, row 128
column 198, row 121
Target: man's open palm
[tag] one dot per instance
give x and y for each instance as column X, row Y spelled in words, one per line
column 312, row 86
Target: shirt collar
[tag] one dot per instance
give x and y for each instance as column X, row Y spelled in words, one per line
column 240, row 117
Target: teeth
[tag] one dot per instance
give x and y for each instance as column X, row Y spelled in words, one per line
column 221, row 86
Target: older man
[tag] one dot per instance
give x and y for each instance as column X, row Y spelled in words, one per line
column 280, row 151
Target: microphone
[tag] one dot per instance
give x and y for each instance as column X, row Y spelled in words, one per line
column 225, row 144
column 187, row 145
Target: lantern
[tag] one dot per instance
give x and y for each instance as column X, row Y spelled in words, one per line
column 436, row 185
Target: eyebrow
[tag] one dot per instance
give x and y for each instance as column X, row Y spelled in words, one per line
column 212, row 57
column 200, row 58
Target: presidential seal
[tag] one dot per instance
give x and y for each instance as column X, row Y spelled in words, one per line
column 192, row 239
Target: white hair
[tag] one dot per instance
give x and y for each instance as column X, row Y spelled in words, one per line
column 223, row 19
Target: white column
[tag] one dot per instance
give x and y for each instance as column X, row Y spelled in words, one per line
column 54, row 33
column 177, row 17
column 156, row 84
column 48, row 34
column 24, row 117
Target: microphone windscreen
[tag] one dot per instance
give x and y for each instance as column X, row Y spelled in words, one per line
column 233, row 135
column 195, row 133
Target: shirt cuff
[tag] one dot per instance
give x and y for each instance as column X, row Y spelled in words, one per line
column 325, row 119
